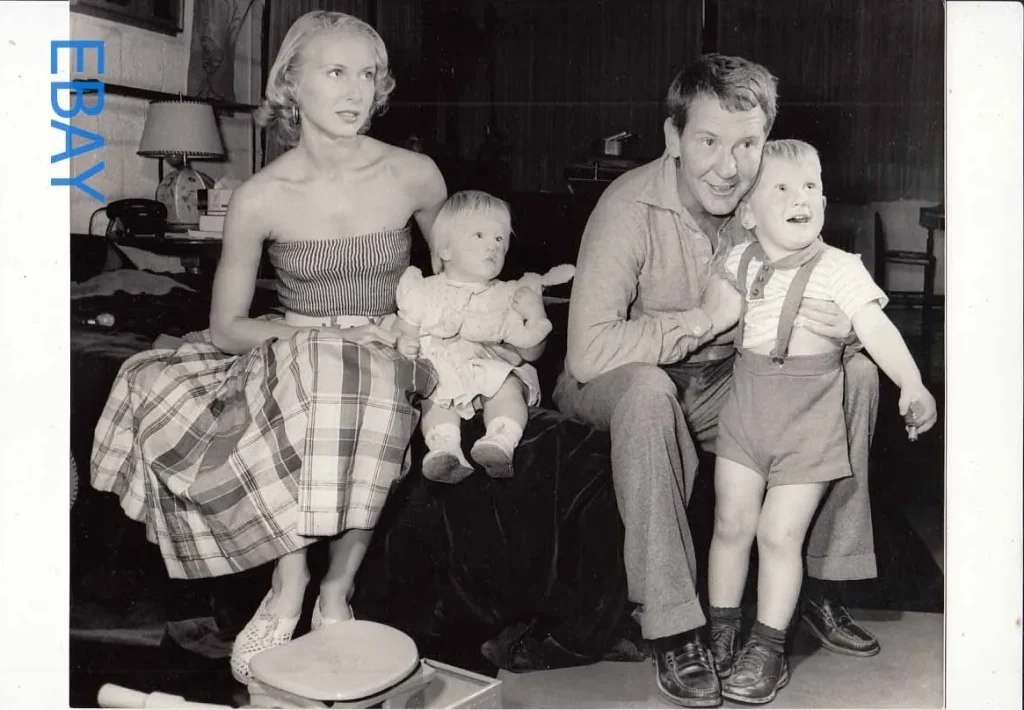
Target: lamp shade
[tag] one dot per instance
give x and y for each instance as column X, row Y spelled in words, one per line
column 180, row 128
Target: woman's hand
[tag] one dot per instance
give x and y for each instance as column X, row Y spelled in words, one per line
column 409, row 346
column 369, row 333
column 825, row 319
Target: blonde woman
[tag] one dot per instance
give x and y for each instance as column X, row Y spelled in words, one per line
column 269, row 434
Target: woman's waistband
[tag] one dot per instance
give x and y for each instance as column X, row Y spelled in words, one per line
column 339, row 321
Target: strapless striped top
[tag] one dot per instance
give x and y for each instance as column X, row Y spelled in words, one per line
column 347, row 276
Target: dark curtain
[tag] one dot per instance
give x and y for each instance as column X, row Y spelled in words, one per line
column 861, row 79
column 211, row 66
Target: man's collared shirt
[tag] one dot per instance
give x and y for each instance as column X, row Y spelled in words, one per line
column 642, row 268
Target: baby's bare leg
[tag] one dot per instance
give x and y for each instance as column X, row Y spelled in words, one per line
column 505, row 415
column 509, row 401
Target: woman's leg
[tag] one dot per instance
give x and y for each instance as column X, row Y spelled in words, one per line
column 346, row 554
column 505, row 415
column 738, row 495
column 275, row 619
column 785, row 518
column 289, row 585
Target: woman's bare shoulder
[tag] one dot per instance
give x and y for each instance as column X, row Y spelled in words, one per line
column 266, row 185
column 418, row 173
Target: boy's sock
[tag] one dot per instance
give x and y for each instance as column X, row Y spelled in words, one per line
column 725, row 616
column 725, row 637
column 775, row 639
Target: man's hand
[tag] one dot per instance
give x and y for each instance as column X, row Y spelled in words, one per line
column 825, row 319
column 721, row 302
column 408, row 346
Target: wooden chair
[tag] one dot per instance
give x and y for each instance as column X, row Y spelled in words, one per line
column 932, row 218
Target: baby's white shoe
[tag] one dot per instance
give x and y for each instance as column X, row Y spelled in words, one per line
column 445, row 467
column 494, row 454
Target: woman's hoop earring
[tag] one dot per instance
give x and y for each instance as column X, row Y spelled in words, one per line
column 295, row 113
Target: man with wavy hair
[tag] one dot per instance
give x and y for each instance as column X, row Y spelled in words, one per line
column 650, row 358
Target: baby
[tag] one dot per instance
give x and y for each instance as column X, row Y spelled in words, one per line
column 477, row 332
column 782, row 430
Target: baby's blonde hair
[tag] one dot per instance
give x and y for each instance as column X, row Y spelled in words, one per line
column 464, row 204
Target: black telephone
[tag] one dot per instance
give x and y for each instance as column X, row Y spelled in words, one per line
column 136, row 217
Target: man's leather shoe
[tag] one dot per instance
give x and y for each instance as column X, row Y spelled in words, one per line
column 757, row 675
column 725, row 644
column 686, row 674
column 831, row 623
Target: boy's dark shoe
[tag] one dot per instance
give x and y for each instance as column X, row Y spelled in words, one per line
column 725, row 644
column 832, row 625
column 757, row 675
column 686, row 674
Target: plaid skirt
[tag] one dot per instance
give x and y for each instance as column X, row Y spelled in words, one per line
column 232, row 461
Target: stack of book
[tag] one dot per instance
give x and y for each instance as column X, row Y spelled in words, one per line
column 213, row 207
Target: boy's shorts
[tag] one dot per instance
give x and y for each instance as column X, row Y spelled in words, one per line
column 786, row 421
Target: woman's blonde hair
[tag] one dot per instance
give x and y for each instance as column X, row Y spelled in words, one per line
column 464, row 204
column 279, row 111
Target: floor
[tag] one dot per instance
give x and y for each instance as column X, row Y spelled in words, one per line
column 906, row 674
column 904, row 606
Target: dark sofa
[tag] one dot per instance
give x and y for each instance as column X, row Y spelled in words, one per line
column 523, row 573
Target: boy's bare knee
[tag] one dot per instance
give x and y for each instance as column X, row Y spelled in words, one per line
column 734, row 526
column 778, row 537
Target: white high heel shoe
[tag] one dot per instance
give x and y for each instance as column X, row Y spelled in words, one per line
column 264, row 631
column 318, row 620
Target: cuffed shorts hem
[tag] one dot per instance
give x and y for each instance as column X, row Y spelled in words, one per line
column 836, row 568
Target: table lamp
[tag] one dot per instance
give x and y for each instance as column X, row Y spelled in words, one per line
column 177, row 131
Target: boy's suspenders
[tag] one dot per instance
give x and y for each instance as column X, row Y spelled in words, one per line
column 805, row 261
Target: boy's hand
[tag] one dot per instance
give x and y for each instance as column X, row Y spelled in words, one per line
column 408, row 346
column 826, row 319
column 721, row 303
column 918, row 409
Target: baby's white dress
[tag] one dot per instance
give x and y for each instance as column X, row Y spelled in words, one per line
column 445, row 311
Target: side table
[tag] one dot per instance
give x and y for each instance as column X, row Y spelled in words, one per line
column 198, row 256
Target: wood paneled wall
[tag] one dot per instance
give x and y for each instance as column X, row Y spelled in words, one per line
column 554, row 75
column 863, row 80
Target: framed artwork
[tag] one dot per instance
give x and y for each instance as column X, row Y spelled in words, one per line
column 157, row 15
